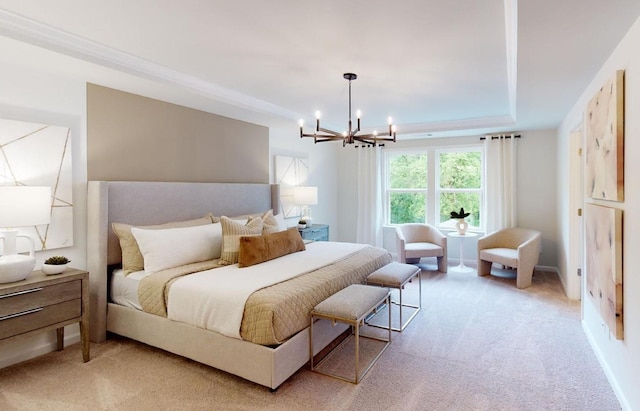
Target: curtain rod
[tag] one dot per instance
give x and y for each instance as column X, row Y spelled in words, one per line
column 497, row 137
column 367, row 145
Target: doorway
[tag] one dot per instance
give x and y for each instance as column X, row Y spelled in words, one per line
column 575, row 266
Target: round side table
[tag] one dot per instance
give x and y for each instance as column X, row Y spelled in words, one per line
column 461, row 268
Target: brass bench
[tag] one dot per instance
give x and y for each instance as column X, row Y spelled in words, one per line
column 350, row 306
column 397, row 275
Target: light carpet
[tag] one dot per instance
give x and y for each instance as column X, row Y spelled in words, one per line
column 478, row 344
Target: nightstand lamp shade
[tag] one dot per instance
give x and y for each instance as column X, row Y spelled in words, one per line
column 305, row 196
column 20, row 206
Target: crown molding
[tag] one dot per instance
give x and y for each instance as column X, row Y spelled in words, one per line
column 41, row 35
column 455, row 125
column 511, row 40
column 45, row 36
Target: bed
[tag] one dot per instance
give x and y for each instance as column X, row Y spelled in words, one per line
column 267, row 362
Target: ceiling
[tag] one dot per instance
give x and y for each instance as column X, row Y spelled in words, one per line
column 438, row 67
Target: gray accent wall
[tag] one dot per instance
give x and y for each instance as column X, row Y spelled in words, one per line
column 136, row 138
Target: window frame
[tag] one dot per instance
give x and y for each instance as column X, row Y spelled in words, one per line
column 438, row 190
column 433, row 190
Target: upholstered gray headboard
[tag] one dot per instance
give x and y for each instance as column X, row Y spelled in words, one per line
column 145, row 203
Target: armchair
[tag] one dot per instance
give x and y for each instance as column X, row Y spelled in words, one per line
column 415, row 241
column 511, row 247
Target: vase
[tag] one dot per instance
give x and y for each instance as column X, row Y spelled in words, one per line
column 50, row 269
column 461, row 226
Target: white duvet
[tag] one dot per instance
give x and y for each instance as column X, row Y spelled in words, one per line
column 215, row 299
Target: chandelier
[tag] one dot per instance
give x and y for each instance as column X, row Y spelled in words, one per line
column 351, row 136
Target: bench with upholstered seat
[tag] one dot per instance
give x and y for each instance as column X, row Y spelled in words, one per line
column 397, row 275
column 350, row 306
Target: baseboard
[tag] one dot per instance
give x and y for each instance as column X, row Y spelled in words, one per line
column 23, row 350
column 622, row 399
column 547, row 268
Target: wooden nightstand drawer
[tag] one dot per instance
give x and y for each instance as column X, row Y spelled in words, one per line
column 45, row 303
column 37, row 297
column 24, row 321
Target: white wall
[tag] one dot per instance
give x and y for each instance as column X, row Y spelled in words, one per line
column 537, row 190
column 323, row 172
column 43, row 96
column 536, row 196
column 620, row 359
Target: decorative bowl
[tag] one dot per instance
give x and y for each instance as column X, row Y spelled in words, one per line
column 50, row 269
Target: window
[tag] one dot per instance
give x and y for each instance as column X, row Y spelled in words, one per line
column 407, row 188
column 425, row 185
column 459, row 186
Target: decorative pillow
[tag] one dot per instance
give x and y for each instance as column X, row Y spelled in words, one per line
column 231, row 233
column 269, row 223
column 258, row 249
column 131, row 258
column 282, row 225
column 173, row 247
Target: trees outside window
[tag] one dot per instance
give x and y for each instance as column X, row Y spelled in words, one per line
column 425, row 185
column 407, row 195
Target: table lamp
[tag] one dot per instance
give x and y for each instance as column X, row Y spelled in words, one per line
column 20, row 206
column 304, row 197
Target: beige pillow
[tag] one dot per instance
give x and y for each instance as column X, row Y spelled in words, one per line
column 269, row 223
column 231, row 233
column 132, row 259
column 258, row 249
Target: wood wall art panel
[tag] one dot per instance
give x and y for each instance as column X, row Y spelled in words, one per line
column 605, row 141
column 604, row 263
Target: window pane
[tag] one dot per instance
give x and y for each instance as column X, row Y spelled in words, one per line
column 460, row 170
column 453, row 202
column 407, row 208
column 408, row 171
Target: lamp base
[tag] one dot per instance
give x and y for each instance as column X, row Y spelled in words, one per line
column 15, row 267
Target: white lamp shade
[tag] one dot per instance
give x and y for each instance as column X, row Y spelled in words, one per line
column 22, row 206
column 305, row 196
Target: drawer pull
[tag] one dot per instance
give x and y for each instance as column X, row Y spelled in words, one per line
column 20, row 314
column 32, row 290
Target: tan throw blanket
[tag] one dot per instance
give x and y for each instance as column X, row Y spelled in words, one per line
column 153, row 290
column 275, row 313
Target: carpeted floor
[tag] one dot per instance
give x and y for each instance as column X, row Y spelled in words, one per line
column 478, row 344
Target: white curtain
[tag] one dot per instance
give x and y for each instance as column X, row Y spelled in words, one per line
column 369, row 222
column 500, row 172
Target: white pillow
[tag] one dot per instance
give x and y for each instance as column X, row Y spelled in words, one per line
column 173, row 247
column 282, row 225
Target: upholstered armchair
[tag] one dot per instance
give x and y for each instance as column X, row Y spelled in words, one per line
column 511, row 247
column 415, row 241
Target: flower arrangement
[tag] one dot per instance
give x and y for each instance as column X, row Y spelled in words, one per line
column 459, row 215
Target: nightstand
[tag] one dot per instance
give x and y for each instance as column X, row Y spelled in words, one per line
column 45, row 302
column 317, row 232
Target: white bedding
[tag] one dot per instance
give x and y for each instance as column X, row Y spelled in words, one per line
column 124, row 289
column 215, row 299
